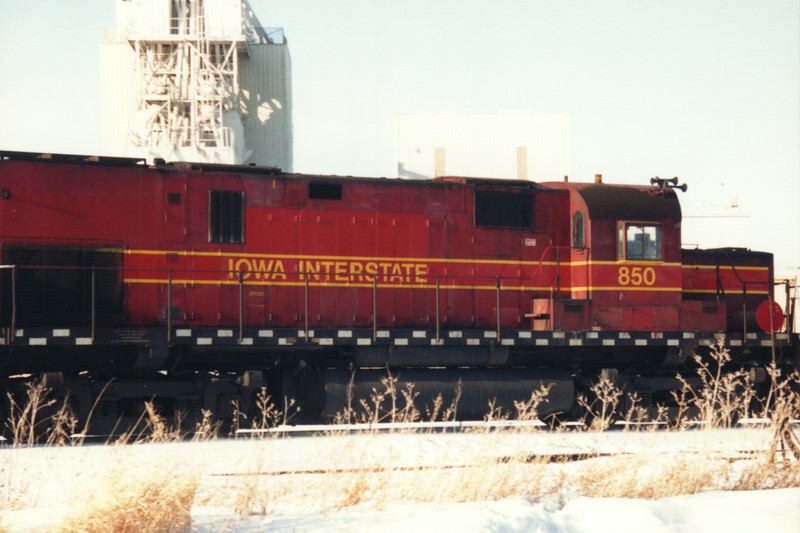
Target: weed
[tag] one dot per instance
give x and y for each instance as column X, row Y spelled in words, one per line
column 723, row 397
column 40, row 418
column 268, row 415
column 601, row 410
column 784, row 440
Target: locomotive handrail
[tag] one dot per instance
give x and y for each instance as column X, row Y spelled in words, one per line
column 557, row 279
column 438, row 332
column 169, row 306
column 13, row 328
column 166, row 277
column 374, row 308
column 791, row 302
column 547, row 250
column 241, row 307
column 555, row 287
column 92, row 290
column 13, row 305
column 744, row 283
column 94, row 305
column 432, row 288
column 304, row 280
column 499, row 285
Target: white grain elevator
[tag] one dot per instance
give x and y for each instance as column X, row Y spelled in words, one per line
column 197, row 80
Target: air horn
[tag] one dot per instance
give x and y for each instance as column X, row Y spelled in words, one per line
column 661, row 184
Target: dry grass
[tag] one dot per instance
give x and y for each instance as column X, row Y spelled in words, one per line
column 641, row 475
column 157, row 491
column 137, row 496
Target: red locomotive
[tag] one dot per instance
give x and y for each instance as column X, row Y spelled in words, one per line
column 196, row 284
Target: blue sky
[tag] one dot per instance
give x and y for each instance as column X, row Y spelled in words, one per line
column 705, row 90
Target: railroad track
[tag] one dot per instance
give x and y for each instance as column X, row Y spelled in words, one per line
column 541, row 459
column 462, row 426
column 454, row 427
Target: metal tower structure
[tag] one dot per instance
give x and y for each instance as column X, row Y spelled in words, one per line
column 187, row 64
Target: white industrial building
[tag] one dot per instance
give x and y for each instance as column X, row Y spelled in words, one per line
column 197, row 80
column 521, row 145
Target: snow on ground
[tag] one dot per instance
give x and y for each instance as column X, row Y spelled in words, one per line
column 730, row 512
column 41, row 487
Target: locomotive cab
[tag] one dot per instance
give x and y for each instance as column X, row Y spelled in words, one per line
column 624, row 262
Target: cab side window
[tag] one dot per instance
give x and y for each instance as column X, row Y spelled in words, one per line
column 639, row 242
column 578, row 231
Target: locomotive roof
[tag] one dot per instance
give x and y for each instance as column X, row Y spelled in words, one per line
column 132, row 162
column 602, row 200
column 629, row 201
column 259, row 170
column 440, row 181
column 71, row 158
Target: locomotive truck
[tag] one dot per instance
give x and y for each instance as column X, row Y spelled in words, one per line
column 193, row 286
